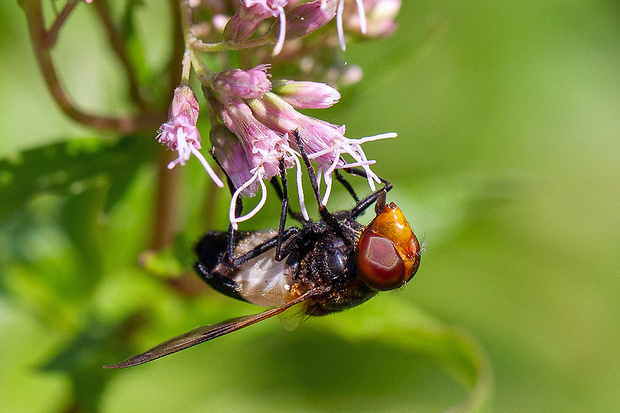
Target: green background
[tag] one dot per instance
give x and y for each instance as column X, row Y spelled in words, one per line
column 506, row 165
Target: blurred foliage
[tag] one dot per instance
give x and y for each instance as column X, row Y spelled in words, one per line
column 506, row 165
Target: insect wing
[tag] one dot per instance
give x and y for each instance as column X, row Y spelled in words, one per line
column 206, row 333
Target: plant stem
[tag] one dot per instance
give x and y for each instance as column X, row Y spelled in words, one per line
column 40, row 43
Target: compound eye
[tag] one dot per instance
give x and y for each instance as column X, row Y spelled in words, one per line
column 379, row 264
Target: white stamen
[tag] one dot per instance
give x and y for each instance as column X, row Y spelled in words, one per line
column 328, row 177
column 172, row 164
column 356, row 164
column 328, row 188
column 346, row 141
column 339, row 25
column 210, row 171
column 258, row 174
column 182, row 145
column 362, row 15
column 357, row 157
column 282, row 36
column 300, row 184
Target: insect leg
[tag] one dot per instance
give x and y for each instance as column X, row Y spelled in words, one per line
column 327, row 217
column 378, row 196
column 346, row 185
column 276, row 186
column 231, row 235
column 288, row 234
column 285, row 208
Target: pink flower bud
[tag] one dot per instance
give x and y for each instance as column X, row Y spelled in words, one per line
column 231, row 156
column 249, row 16
column 180, row 133
column 323, row 142
column 245, row 84
column 306, row 95
column 316, row 135
column 305, row 19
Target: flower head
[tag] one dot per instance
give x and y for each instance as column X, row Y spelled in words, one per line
column 264, row 132
column 180, row 133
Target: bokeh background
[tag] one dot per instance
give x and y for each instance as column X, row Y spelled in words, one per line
column 507, row 164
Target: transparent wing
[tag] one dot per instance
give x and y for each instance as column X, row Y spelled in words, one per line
column 206, row 333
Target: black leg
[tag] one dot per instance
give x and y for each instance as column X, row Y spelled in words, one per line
column 290, row 234
column 325, row 215
column 276, row 186
column 378, row 196
column 362, row 173
column 346, row 185
column 285, row 208
column 231, row 235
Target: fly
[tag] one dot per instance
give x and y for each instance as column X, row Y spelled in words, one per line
column 325, row 266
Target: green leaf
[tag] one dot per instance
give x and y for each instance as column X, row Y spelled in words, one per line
column 82, row 223
column 68, row 168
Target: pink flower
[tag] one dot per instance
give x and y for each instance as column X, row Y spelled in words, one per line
column 231, row 157
column 180, row 133
column 323, row 142
column 266, row 127
column 306, row 95
column 305, row 19
column 250, row 15
column 263, row 149
column 245, row 84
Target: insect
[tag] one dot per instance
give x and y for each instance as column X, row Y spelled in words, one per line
column 326, row 266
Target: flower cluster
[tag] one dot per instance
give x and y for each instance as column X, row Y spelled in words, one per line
column 262, row 120
column 255, row 121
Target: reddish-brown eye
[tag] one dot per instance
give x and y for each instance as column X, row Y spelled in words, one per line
column 378, row 263
column 388, row 253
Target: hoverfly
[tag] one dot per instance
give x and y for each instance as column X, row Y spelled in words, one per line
column 325, row 266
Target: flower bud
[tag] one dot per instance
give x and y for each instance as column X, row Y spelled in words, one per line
column 304, row 19
column 249, row 16
column 229, row 153
column 180, row 133
column 306, row 95
column 245, row 84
